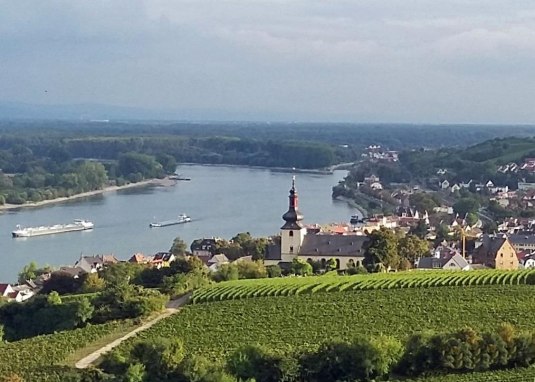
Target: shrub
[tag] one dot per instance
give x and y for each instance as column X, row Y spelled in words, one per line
column 359, row 360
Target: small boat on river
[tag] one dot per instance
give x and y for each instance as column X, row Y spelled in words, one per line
column 355, row 219
column 178, row 177
column 182, row 218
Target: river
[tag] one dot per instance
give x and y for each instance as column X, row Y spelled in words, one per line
column 221, row 201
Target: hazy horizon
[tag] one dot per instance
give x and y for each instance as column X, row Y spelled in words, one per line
column 422, row 62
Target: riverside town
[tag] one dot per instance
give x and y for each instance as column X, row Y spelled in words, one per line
column 267, row 191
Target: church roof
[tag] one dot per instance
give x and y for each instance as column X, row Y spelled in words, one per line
column 334, row 245
column 292, row 217
column 273, row 251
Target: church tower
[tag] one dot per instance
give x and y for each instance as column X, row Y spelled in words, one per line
column 292, row 232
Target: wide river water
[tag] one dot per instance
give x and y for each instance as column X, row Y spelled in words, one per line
column 221, row 201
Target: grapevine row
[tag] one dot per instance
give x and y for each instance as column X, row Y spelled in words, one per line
column 290, row 286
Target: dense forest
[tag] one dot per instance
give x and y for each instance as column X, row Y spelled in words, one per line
column 49, row 159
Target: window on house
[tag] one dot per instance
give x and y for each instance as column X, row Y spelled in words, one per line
column 291, row 233
column 291, row 249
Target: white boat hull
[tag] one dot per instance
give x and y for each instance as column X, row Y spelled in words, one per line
column 81, row 225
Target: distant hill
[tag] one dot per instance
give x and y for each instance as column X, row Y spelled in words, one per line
column 83, row 112
column 501, row 151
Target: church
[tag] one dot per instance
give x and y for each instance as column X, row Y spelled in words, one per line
column 296, row 241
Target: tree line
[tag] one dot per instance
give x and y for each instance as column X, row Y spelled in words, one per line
column 377, row 358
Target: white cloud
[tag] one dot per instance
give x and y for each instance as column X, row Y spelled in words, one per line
column 374, row 59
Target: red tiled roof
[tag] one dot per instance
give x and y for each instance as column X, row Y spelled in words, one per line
column 3, row 288
column 13, row 295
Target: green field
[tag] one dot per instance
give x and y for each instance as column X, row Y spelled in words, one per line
column 289, row 323
column 516, row 375
column 35, row 359
column 289, row 286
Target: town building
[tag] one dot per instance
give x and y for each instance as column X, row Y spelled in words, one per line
column 18, row 293
column 523, row 242
column 295, row 241
column 496, row 252
column 455, row 263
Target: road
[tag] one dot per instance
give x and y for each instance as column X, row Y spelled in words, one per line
column 172, row 307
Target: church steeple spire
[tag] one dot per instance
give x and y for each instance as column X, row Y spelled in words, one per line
column 292, row 217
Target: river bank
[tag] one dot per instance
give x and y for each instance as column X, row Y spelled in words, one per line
column 324, row 171
column 353, row 204
column 165, row 182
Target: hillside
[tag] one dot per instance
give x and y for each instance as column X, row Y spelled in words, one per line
column 500, row 151
column 304, row 321
column 478, row 162
column 295, row 314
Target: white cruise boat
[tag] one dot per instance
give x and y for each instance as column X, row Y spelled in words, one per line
column 77, row 225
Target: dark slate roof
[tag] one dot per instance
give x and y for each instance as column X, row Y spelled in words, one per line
column 522, row 239
column 71, row 271
column 334, row 245
column 204, row 245
column 431, row 263
column 273, row 251
column 493, row 244
column 292, row 225
column 163, row 256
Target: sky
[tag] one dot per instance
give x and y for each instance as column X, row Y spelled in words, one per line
column 412, row 61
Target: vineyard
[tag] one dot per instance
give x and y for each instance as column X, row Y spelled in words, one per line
column 289, row 323
column 290, row 286
column 27, row 358
column 516, row 375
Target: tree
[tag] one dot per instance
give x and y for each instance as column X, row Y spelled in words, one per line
column 91, row 176
column 273, row 271
column 258, row 364
column 301, row 267
column 183, row 264
column 226, row 272
column 490, row 227
column 93, row 283
column 411, row 248
column 423, row 201
column 359, row 360
column 135, row 373
column 120, row 273
column 179, row 247
column 83, row 311
column 168, row 162
column 443, row 232
column 472, row 218
column 160, row 356
column 420, row 229
column 251, row 269
column 331, row 264
column 383, row 249
column 62, row 283
column 199, row 369
column 465, row 206
column 139, row 166
column 54, row 298
column 29, row 272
